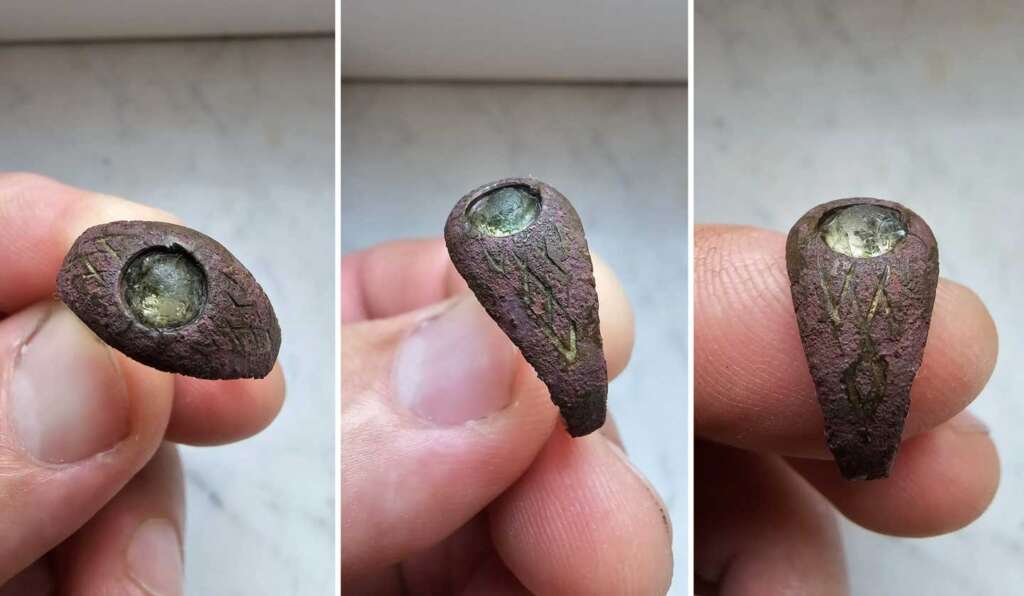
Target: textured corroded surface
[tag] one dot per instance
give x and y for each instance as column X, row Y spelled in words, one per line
column 538, row 284
column 863, row 323
column 234, row 334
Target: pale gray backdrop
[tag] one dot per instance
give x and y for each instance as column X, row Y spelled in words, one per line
column 410, row 151
column 799, row 102
column 237, row 138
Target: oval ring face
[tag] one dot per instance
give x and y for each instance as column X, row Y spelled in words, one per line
column 171, row 298
column 863, row 231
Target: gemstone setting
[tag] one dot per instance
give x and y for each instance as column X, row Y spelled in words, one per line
column 863, row 231
column 164, row 288
column 504, row 211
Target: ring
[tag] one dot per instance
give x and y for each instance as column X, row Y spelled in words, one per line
column 863, row 274
column 519, row 244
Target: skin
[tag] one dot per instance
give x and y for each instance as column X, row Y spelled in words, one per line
column 67, row 526
column 759, row 430
column 535, row 511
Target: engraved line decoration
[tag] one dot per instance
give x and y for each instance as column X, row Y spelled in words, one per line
column 520, row 246
column 545, row 320
column 234, row 333
column 863, row 311
column 864, row 397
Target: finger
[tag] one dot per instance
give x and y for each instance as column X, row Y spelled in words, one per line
column 752, row 385
column 217, row 412
column 582, row 520
column 134, row 544
column 433, row 399
column 611, row 431
column 39, row 221
column 493, row 578
column 463, row 563
column 941, row 481
column 38, row 579
column 448, row 567
column 459, row 565
column 70, row 436
column 396, row 277
column 759, row 529
column 405, row 275
column 488, row 577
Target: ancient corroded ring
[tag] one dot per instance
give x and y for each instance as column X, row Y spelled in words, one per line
column 520, row 246
column 171, row 298
column 863, row 274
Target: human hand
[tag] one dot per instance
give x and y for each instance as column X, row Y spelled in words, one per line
column 765, row 486
column 457, row 476
column 92, row 495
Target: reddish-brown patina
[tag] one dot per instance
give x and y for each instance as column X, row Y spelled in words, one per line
column 538, row 284
column 235, row 333
column 863, row 322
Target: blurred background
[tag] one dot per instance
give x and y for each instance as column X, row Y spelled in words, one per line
column 800, row 102
column 237, row 138
column 439, row 98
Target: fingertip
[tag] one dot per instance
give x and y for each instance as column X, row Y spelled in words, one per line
column 751, row 381
column 753, row 388
column 941, row 481
column 207, row 412
column 134, row 544
column 759, row 528
column 352, row 309
column 151, row 398
column 616, row 314
column 98, row 208
column 406, row 439
column 27, row 194
column 959, row 357
column 40, row 219
column 72, row 436
column 395, row 278
column 582, row 520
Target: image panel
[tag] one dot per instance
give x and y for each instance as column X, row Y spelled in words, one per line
column 848, row 375
column 452, row 388
column 233, row 139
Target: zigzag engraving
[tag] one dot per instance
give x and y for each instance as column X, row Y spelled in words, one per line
column 535, row 289
column 865, row 379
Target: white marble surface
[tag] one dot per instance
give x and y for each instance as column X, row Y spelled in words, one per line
column 801, row 102
column 410, row 151
column 533, row 40
column 237, row 138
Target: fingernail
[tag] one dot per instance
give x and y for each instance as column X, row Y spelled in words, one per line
column 967, row 423
column 456, row 366
column 643, row 479
column 68, row 399
column 154, row 558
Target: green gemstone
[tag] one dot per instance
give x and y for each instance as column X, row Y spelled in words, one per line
column 164, row 289
column 863, row 230
column 505, row 211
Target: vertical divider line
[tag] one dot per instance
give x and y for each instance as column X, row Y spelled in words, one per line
column 689, row 297
column 337, row 297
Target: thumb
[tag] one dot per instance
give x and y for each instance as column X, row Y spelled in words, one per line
column 440, row 414
column 77, row 421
